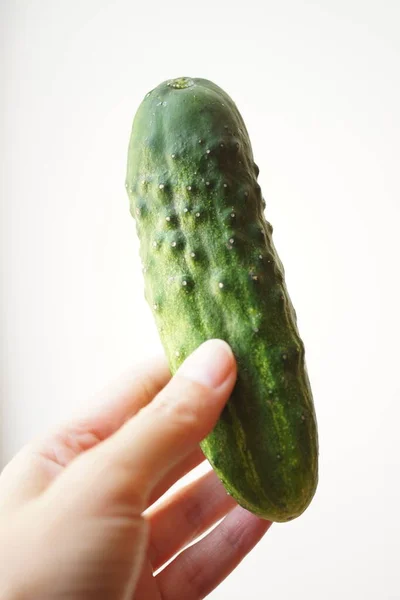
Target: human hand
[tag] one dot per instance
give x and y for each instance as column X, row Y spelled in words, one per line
column 77, row 516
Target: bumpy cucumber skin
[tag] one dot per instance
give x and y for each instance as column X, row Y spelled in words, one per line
column 211, row 271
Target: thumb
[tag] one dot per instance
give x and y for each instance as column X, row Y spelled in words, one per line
column 123, row 470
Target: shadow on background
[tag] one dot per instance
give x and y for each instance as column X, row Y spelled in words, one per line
column 4, row 21
column 2, row 456
column 2, row 401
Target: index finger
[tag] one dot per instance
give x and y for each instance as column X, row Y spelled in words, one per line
column 37, row 465
column 127, row 467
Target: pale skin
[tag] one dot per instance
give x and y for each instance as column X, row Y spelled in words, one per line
column 77, row 514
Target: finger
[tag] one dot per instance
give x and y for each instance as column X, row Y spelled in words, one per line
column 146, row 586
column 38, row 463
column 180, row 470
column 186, row 515
column 130, row 464
column 201, row 568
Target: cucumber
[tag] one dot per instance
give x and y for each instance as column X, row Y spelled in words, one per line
column 211, row 271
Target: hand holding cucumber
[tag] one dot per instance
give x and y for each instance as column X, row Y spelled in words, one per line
column 77, row 509
column 78, row 518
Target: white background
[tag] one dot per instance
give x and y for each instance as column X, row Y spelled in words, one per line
column 318, row 86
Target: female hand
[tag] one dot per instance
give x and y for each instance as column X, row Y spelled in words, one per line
column 77, row 516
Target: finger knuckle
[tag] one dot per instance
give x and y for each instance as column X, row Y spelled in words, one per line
column 182, row 405
column 235, row 538
column 194, row 515
column 194, row 573
column 185, row 416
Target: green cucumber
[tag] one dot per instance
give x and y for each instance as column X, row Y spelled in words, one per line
column 211, row 271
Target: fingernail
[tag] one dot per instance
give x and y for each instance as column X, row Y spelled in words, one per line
column 209, row 365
